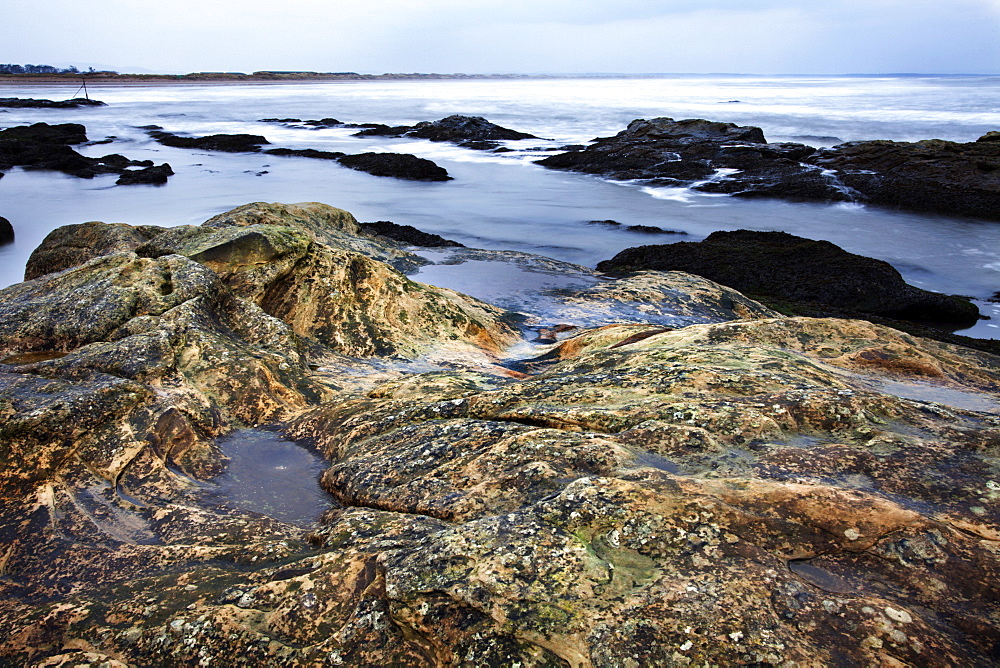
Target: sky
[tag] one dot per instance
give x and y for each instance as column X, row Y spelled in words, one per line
column 508, row 36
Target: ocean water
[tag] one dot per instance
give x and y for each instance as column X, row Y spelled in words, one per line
column 504, row 201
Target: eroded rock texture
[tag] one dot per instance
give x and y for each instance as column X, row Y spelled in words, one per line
column 761, row 491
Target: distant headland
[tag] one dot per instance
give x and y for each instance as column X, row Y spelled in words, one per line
column 261, row 76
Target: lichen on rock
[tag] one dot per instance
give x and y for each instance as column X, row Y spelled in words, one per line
column 751, row 489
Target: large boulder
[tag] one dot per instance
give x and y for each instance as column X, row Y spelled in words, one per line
column 465, row 128
column 72, row 245
column 782, row 266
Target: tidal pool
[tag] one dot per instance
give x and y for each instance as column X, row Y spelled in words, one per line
column 272, row 476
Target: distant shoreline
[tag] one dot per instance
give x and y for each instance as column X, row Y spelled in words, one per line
column 105, row 78
column 102, row 78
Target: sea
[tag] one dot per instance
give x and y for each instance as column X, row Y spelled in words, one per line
column 503, row 201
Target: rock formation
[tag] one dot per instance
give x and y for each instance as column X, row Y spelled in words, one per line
column 752, row 490
column 47, row 147
column 398, row 165
column 782, row 266
column 469, row 131
column 934, row 176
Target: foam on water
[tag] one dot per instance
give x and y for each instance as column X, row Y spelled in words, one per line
column 501, row 200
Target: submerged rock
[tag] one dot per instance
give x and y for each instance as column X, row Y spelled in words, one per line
column 781, row 266
column 145, row 176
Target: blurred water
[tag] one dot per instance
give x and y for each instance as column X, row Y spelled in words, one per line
column 503, row 201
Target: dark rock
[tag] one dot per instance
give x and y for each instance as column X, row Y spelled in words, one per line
column 236, row 143
column 932, row 175
column 20, row 103
column 323, row 123
column 43, row 133
column 606, row 223
column 280, row 120
column 992, row 135
column 6, row 231
column 379, row 130
column 45, row 147
column 398, row 165
column 465, row 128
column 408, row 235
column 651, row 229
column 306, row 153
column 148, row 176
column 782, row 266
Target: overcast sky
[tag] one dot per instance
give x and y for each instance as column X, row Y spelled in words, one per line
column 497, row 36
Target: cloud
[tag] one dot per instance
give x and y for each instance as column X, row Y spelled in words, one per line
column 822, row 36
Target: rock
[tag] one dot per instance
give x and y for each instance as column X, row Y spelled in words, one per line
column 775, row 491
column 473, row 132
column 408, row 235
column 234, row 143
column 43, row 133
column 306, row 153
column 398, row 165
column 781, row 266
column 46, row 147
column 932, row 175
column 72, row 245
column 688, row 480
column 6, row 231
column 993, row 135
column 148, row 175
column 23, row 103
column 465, row 128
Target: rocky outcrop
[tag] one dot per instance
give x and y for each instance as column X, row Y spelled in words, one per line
column 31, row 103
column 47, row 147
column 933, row 175
column 398, row 165
column 6, row 231
column 232, row 143
column 72, row 245
column 408, row 234
column 469, row 131
column 770, row 491
column 782, row 266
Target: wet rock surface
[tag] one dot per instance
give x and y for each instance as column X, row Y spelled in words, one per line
column 778, row 265
column 932, row 175
column 749, row 490
column 230, row 143
column 47, row 147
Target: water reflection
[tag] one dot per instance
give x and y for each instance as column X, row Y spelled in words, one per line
column 272, row 476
